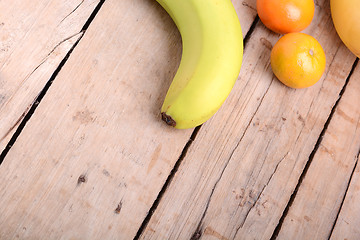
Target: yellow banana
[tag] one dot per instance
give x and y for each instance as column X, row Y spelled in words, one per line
column 211, row 59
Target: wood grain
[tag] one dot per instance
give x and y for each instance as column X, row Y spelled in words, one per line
column 347, row 225
column 35, row 35
column 93, row 157
column 348, row 221
column 257, row 146
column 327, row 179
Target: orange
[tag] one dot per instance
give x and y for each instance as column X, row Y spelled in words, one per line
column 298, row 60
column 286, row 16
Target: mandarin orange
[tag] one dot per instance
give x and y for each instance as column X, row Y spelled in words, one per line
column 298, row 60
column 286, row 16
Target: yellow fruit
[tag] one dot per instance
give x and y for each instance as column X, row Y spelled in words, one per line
column 298, row 60
column 346, row 18
column 210, row 63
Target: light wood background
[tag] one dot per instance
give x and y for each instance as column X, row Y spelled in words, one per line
column 86, row 156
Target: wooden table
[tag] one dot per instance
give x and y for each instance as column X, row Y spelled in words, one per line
column 86, row 156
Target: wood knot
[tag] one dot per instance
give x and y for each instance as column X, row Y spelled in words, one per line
column 82, row 179
column 118, row 208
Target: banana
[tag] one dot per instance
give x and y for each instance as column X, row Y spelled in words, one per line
column 211, row 60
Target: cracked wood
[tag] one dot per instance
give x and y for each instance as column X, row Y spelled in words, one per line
column 326, row 180
column 101, row 114
column 95, row 160
column 31, row 50
column 257, row 146
column 348, row 219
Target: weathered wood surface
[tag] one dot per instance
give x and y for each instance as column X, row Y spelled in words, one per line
column 318, row 201
column 257, row 146
column 348, row 221
column 93, row 159
column 347, row 225
column 35, row 35
column 95, row 152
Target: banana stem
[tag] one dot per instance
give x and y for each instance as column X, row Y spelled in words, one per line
column 168, row 120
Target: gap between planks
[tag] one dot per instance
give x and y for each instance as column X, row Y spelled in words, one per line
column 308, row 163
column 192, row 138
column 179, row 161
column 30, row 111
column 313, row 147
column 345, row 194
column 167, row 183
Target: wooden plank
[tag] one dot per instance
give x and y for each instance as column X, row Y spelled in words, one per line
column 348, row 221
column 93, row 157
column 35, row 35
column 256, row 147
column 347, row 225
column 315, row 208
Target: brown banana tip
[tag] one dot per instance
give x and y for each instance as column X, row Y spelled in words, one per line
column 166, row 118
